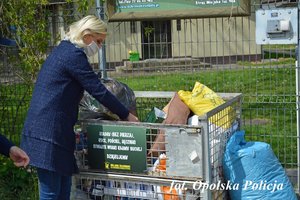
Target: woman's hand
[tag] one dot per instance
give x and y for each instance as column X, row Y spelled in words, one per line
column 19, row 157
column 132, row 118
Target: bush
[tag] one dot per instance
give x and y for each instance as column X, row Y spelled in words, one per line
column 17, row 182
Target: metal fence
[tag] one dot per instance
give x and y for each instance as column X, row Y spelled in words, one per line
column 172, row 54
column 222, row 54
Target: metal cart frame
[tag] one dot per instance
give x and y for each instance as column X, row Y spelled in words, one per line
column 210, row 155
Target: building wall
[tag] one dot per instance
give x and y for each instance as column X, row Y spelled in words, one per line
column 120, row 41
column 205, row 38
column 214, row 37
column 198, row 38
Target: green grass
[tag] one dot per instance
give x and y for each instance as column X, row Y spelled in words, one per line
column 279, row 46
column 279, row 51
column 278, row 62
column 257, row 84
column 268, row 93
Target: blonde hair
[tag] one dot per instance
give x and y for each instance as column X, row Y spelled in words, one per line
column 87, row 25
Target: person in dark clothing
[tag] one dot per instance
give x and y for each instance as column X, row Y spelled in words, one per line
column 48, row 134
column 17, row 155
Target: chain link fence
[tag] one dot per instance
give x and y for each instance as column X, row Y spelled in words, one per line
column 171, row 55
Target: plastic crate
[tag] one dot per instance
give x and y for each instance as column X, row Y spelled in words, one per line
column 192, row 155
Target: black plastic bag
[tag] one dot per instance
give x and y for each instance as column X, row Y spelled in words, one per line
column 90, row 108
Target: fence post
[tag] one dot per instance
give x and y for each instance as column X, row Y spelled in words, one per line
column 297, row 101
column 102, row 51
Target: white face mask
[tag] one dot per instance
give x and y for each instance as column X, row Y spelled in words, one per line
column 91, row 49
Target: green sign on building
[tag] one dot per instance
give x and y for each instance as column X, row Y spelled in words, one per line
column 143, row 5
column 124, row 10
column 117, row 148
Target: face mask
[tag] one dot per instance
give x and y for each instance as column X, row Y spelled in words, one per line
column 91, row 49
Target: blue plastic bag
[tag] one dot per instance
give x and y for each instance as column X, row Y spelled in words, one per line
column 254, row 171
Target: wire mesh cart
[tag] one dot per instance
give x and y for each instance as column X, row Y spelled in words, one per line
column 118, row 161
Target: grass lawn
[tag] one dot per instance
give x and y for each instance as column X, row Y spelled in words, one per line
column 268, row 95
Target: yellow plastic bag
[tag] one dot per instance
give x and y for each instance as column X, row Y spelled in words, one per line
column 202, row 99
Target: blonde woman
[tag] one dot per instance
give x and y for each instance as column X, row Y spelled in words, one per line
column 48, row 136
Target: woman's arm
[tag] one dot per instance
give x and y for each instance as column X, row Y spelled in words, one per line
column 5, row 145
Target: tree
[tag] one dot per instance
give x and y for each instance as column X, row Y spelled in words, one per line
column 25, row 21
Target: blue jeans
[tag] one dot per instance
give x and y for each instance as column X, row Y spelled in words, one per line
column 53, row 186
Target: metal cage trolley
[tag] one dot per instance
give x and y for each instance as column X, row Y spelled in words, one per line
column 117, row 159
